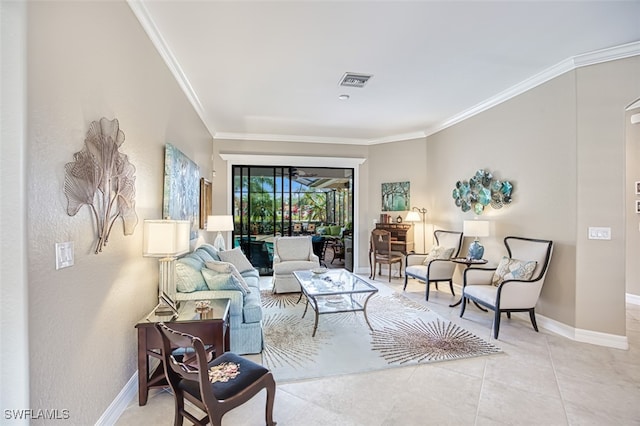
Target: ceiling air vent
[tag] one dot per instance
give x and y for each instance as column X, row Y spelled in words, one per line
column 354, row 80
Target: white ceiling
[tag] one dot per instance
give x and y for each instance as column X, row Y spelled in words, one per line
column 269, row 70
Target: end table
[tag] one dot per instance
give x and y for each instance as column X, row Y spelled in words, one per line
column 468, row 262
column 212, row 326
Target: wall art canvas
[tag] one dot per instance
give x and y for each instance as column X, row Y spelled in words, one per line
column 181, row 199
column 395, row 196
column 205, row 202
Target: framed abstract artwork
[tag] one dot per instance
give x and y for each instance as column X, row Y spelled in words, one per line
column 205, row 202
column 395, row 196
column 181, row 200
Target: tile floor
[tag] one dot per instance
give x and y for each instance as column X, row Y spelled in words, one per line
column 540, row 379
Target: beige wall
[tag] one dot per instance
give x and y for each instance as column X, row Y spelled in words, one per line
column 632, row 134
column 563, row 146
column 530, row 141
column 87, row 61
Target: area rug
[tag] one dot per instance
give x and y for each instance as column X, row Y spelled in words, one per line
column 404, row 333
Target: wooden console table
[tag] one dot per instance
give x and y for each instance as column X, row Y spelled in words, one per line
column 211, row 326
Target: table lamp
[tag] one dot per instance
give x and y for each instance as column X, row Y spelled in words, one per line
column 220, row 224
column 166, row 239
column 475, row 228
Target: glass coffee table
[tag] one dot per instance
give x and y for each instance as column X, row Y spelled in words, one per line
column 334, row 291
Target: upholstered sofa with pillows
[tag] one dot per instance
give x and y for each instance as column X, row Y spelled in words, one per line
column 207, row 273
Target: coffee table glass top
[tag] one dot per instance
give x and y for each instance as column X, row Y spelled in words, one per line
column 332, row 282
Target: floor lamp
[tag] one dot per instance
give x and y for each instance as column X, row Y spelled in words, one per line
column 166, row 240
column 419, row 215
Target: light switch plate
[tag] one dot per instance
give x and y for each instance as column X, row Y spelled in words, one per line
column 64, row 255
column 599, row 233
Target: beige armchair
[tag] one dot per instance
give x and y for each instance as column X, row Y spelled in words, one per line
column 435, row 267
column 291, row 254
column 515, row 285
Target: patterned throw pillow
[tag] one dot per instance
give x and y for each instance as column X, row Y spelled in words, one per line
column 438, row 252
column 228, row 268
column 237, row 257
column 513, row 269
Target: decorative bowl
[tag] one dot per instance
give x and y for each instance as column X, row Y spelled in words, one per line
column 318, row 271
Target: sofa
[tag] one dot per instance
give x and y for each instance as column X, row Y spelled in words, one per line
column 291, row 254
column 207, row 273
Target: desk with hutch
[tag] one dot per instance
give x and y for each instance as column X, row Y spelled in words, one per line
column 401, row 237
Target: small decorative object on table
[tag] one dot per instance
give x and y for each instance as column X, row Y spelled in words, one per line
column 203, row 305
column 318, row 271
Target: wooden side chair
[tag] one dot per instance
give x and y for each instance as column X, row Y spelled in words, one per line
column 382, row 253
column 215, row 387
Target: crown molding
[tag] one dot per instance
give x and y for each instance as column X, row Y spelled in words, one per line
column 592, row 58
column 289, row 138
column 142, row 14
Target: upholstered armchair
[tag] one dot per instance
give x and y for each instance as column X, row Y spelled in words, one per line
column 515, row 285
column 291, row 254
column 436, row 266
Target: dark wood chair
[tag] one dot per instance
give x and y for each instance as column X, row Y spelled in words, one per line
column 382, row 253
column 222, row 385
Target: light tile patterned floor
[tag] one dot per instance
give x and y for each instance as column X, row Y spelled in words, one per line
column 540, row 379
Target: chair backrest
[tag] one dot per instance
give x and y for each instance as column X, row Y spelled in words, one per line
column 531, row 249
column 293, row 248
column 193, row 356
column 381, row 241
column 449, row 239
column 311, row 228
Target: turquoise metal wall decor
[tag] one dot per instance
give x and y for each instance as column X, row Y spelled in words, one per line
column 480, row 191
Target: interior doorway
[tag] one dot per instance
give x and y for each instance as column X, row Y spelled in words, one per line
column 270, row 201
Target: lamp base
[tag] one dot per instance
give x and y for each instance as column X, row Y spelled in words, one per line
column 476, row 251
column 218, row 243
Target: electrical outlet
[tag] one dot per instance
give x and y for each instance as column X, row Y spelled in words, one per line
column 64, row 255
column 599, row 233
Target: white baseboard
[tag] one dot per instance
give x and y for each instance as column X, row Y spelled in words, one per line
column 122, row 401
column 579, row 335
column 634, row 299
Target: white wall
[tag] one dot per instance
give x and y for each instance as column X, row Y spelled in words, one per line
column 89, row 60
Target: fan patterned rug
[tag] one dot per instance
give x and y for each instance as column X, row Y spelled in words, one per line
column 404, row 333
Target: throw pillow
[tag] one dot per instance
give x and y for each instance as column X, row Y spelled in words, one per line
column 203, row 254
column 228, row 268
column 188, row 276
column 513, row 269
column 211, row 250
column 438, row 252
column 217, row 281
column 237, row 258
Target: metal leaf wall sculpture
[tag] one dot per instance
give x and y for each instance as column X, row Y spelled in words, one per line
column 102, row 178
column 482, row 190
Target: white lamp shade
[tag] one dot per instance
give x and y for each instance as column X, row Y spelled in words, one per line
column 221, row 223
column 476, row 228
column 413, row 217
column 164, row 238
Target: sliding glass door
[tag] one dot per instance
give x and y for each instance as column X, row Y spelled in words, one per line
column 272, row 201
